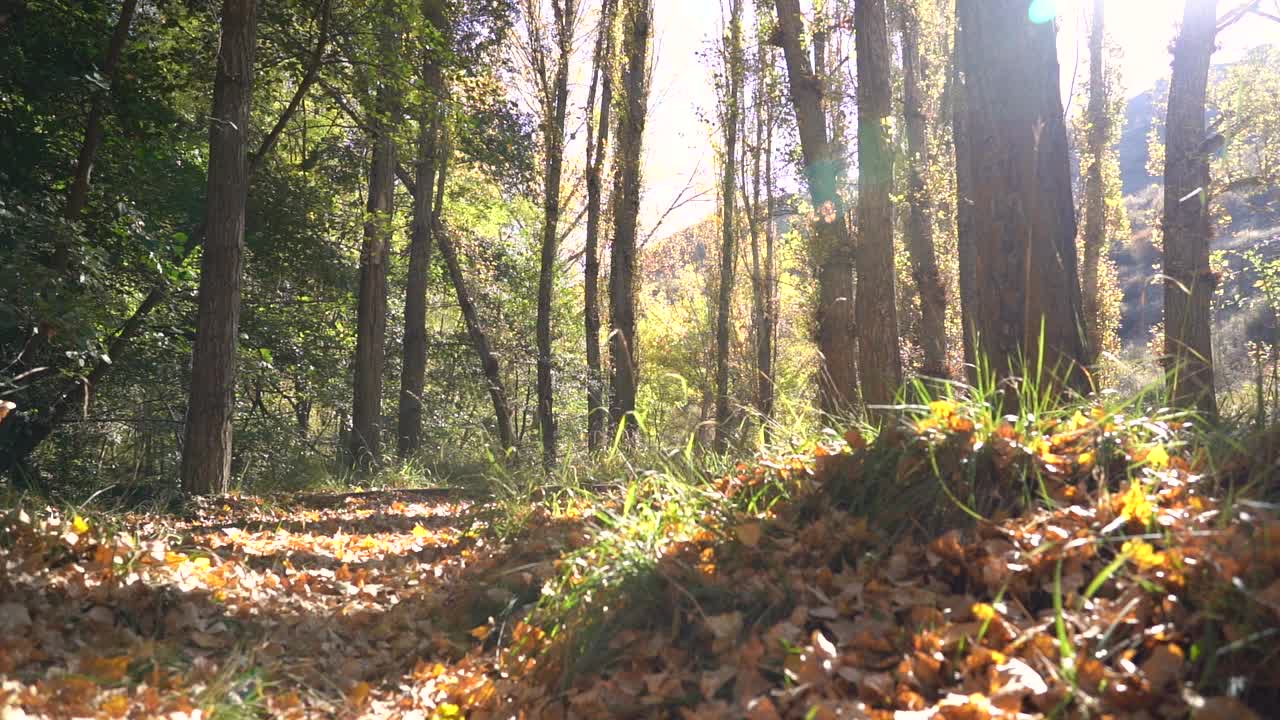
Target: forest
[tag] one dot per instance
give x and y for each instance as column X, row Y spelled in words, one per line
column 697, row 359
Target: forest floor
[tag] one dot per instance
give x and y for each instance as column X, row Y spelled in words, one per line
column 1133, row 582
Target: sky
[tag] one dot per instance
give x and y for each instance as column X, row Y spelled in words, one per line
column 679, row 156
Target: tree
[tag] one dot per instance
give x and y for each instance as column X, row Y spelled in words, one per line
column 919, row 221
column 877, row 314
column 730, row 127
column 78, row 194
column 760, row 222
column 632, row 111
column 364, row 449
column 206, row 450
column 1189, row 283
column 1017, row 180
column 598, row 123
column 471, row 317
column 553, row 94
column 833, row 247
column 414, row 366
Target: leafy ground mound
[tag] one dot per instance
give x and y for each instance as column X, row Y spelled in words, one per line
column 1128, row 578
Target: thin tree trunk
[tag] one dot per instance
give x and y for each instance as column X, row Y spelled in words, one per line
column 1189, row 282
column 555, row 106
column 919, row 230
column 1019, row 181
column 597, row 151
column 832, row 246
column 206, row 449
column 479, row 339
column 728, row 220
column 414, row 366
column 877, row 306
column 365, row 448
column 760, row 222
column 624, row 379
column 78, row 195
column 965, row 250
column 1095, row 210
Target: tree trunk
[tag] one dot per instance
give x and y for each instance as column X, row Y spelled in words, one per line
column 1019, row 181
column 597, row 151
column 479, row 339
column 728, row 219
column 966, row 252
column 877, row 304
column 414, row 367
column 760, row 222
column 375, row 256
column 832, row 247
column 636, row 24
column 1189, row 282
column 555, row 105
column 78, row 195
column 919, row 230
column 1095, row 207
column 206, row 449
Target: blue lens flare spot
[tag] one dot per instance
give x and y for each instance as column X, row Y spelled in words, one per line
column 1042, row 11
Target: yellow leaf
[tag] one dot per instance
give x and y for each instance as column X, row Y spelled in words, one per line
column 984, row 612
column 1158, row 457
column 79, row 525
column 420, row 532
column 1085, row 459
column 1134, row 505
column 116, row 706
column 447, row 711
column 942, row 409
column 358, row 693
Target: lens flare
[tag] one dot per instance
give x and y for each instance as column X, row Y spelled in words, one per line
column 1042, row 11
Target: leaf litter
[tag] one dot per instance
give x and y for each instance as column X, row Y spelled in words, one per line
column 1125, row 586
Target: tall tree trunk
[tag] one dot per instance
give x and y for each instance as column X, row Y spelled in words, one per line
column 924, row 261
column 555, row 105
column 78, row 195
column 728, row 218
column 206, row 449
column 832, row 246
column 1095, row 206
column 414, row 367
column 760, row 222
column 877, row 306
column 365, row 446
column 965, row 250
column 475, row 329
column 1019, row 182
column 597, row 151
column 1189, row 282
column 633, row 108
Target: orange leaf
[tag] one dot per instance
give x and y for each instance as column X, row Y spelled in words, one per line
column 359, row 693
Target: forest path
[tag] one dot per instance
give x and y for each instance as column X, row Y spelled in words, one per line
column 313, row 606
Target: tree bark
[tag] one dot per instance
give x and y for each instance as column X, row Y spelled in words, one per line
column 475, row 329
column 1189, row 282
column 919, row 230
column 966, row 252
column 206, row 449
column 759, row 213
column 832, row 246
column 414, row 366
column 877, row 303
column 364, row 450
column 633, row 108
column 597, row 151
column 728, row 218
column 555, row 104
column 1018, row 180
column 1095, row 207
